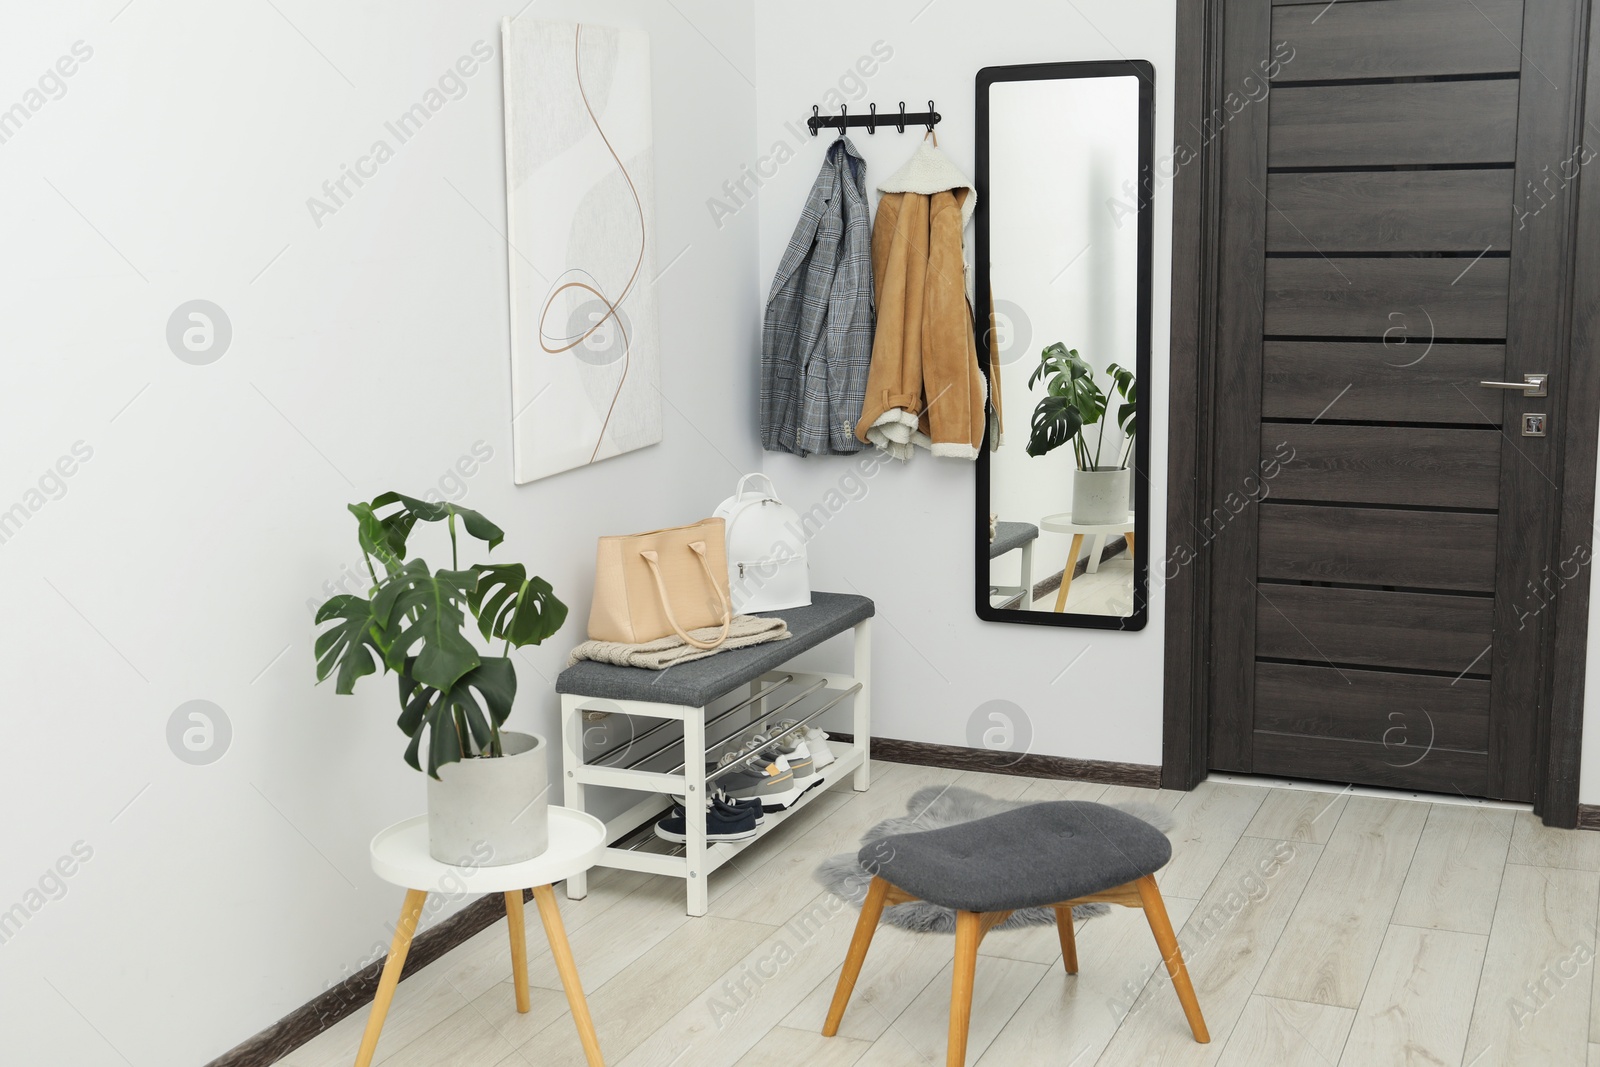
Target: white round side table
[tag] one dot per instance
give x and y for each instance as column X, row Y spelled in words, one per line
column 400, row 855
column 1063, row 523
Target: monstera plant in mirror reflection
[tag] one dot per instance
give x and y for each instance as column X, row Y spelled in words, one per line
column 1073, row 404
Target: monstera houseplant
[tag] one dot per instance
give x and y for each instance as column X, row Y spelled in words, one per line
column 486, row 786
column 1072, row 403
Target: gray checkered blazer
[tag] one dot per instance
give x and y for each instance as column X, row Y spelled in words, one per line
column 816, row 341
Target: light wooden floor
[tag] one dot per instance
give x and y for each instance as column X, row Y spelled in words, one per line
column 1320, row 929
column 1109, row 591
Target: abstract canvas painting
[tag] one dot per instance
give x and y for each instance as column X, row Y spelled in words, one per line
column 585, row 351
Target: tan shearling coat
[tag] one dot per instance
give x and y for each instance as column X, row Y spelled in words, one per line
column 924, row 387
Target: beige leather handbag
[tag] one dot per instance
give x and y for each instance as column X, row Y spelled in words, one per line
column 649, row 585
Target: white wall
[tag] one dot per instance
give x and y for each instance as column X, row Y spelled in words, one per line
column 177, row 562
column 906, row 538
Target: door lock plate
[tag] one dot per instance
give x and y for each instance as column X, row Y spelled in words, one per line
column 1533, row 424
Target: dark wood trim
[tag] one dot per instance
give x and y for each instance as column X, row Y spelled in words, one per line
column 1239, row 443
column 1196, row 166
column 1024, row 764
column 1537, row 333
column 1580, row 416
column 356, row 992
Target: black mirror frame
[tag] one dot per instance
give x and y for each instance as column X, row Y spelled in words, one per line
column 987, row 77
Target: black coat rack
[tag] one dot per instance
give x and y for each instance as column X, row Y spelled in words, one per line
column 843, row 120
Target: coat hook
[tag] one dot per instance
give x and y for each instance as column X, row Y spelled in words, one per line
column 872, row 120
column 901, row 125
column 844, row 118
column 930, row 116
column 814, row 117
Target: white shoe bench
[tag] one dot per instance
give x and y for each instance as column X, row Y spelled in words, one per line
column 653, row 758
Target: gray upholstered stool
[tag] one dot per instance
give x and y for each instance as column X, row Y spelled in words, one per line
column 1044, row 855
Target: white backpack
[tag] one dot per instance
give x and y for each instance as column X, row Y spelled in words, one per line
column 767, row 568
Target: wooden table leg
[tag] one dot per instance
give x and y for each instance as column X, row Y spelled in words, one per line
column 1155, row 912
column 410, row 913
column 1066, row 573
column 550, row 915
column 1069, row 939
column 519, row 947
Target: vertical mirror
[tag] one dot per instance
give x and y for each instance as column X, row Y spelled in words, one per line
column 1063, row 265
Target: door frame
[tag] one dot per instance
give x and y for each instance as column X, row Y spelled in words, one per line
column 1202, row 107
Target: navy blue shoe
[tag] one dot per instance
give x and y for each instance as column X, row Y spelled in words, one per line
column 732, row 806
column 721, row 825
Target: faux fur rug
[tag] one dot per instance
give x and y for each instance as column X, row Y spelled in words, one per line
column 929, row 809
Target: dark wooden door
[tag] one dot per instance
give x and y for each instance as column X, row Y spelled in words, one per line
column 1396, row 229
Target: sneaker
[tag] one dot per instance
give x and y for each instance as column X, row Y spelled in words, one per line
column 775, row 788
column 816, row 743
column 721, row 825
column 789, row 752
column 734, row 807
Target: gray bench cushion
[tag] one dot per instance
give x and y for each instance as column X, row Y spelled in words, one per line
column 1010, row 535
column 1037, row 855
column 698, row 682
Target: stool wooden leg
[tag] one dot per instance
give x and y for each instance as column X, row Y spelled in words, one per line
column 1069, row 941
column 1066, row 572
column 519, row 947
column 410, row 913
column 1155, row 910
column 969, row 932
column 866, row 926
column 550, row 915
column 1129, row 538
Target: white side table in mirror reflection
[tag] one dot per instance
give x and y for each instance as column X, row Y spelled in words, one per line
column 1103, row 599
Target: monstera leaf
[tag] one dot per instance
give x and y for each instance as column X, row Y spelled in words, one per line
column 1059, row 361
column 477, row 704
column 397, row 525
column 415, row 606
column 376, row 540
column 1128, row 388
column 348, row 645
column 1055, row 422
column 513, row 607
column 1073, row 400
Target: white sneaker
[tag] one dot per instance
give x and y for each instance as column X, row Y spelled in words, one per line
column 817, row 742
column 812, row 740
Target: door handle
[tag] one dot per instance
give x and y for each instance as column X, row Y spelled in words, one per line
column 1531, row 385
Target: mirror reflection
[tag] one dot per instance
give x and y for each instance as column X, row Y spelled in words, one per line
column 1065, row 233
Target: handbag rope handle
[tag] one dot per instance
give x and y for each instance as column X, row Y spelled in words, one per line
column 699, row 549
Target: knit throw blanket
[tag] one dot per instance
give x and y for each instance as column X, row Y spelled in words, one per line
column 664, row 652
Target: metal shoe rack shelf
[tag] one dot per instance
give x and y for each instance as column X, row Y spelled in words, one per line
column 662, row 763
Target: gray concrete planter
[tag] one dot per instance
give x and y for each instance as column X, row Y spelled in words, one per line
column 492, row 812
column 1100, row 496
